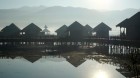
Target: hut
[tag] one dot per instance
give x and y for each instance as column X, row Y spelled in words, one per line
column 10, row 31
column 87, row 30
column 31, row 30
column 130, row 28
column 62, row 32
column 76, row 31
column 102, row 30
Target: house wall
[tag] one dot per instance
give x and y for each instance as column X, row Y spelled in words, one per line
column 62, row 34
column 138, row 32
column 76, row 34
column 103, row 33
column 131, row 33
column 10, row 34
column 87, row 33
column 31, row 33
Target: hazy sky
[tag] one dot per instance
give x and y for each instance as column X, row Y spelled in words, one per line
column 91, row 4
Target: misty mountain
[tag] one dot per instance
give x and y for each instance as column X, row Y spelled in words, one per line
column 56, row 16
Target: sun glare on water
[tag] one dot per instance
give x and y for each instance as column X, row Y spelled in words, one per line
column 100, row 74
column 100, row 4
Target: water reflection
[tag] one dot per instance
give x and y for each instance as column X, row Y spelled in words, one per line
column 100, row 61
column 101, row 74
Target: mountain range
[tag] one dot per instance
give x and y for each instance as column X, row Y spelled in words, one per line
column 55, row 17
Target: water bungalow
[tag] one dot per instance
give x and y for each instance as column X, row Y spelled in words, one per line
column 62, row 32
column 102, row 30
column 130, row 28
column 31, row 30
column 76, row 31
column 87, row 30
column 10, row 31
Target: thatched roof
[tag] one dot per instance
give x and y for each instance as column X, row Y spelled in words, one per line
column 61, row 29
column 101, row 26
column 12, row 27
column 32, row 27
column 76, row 25
column 88, row 28
column 135, row 19
column 132, row 21
column 123, row 23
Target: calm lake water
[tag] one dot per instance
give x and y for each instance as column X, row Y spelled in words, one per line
column 72, row 64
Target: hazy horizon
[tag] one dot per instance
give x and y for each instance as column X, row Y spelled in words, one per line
column 42, row 6
column 89, row 4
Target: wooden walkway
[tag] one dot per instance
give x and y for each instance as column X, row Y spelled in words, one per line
column 57, row 41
